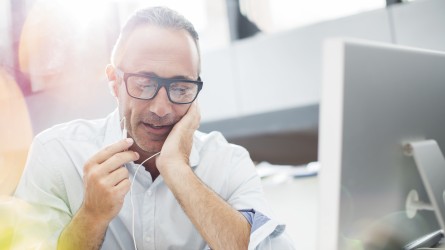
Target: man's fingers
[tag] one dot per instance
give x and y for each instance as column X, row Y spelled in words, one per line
column 122, row 188
column 117, row 176
column 109, row 151
column 196, row 115
column 112, row 149
column 192, row 118
column 118, row 160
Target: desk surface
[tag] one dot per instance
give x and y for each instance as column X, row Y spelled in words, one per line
column 295, row 203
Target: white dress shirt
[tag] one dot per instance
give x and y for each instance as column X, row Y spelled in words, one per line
column 53, row 179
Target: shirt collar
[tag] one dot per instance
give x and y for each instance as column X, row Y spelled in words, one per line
column 114, row 133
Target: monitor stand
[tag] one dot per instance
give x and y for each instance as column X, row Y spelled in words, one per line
column 431, row 166
column 428, row 241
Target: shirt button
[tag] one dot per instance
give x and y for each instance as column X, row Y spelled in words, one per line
column 147, row 239
column 149, row 192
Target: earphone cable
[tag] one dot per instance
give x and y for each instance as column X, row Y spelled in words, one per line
column 131, row 197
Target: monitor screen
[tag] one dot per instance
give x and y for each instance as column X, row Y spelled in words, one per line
column 375, row 98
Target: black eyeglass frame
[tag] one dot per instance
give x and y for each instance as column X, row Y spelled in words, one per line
column 162, row 82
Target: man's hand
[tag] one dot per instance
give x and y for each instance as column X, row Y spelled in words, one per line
column 177, row 147
column 106, row 182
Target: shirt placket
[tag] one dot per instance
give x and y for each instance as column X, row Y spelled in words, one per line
column 146, row 206
column 148, row 218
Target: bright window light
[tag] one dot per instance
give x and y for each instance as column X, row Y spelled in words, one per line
column 276, row 15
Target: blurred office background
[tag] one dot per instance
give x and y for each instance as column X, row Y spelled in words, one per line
column 261, row 66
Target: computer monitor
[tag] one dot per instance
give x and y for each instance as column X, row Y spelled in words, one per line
column 376, row 98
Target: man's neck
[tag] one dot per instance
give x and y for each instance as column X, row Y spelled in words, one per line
column 149, row 165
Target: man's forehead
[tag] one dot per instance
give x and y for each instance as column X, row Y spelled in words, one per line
column 151, row 45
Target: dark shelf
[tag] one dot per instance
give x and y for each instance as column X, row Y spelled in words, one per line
column 281, row 137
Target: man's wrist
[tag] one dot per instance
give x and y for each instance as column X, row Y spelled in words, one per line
column 85, row 231
column 98, row 222
column 175, row 173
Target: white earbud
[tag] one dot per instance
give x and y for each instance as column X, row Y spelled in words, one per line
column 124, row 129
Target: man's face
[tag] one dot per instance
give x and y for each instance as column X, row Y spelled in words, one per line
column 161, row 52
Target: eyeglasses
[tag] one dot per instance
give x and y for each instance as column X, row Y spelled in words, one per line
column 146, row 87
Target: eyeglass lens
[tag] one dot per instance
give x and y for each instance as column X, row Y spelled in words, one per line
column 147, row 87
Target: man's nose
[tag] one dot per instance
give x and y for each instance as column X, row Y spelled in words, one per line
column 160, row 104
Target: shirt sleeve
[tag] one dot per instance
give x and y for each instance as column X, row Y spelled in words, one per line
column 265, row 233
column 42, row 187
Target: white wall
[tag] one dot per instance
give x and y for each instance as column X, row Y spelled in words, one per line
column 219, row 96
column 420, row 24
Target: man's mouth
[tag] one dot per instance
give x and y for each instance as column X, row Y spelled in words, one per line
column 156, row 126
column 157, row 129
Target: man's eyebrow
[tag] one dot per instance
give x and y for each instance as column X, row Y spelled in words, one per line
column 149, row 73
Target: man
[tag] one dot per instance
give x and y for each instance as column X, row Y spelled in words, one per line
column 195, row 191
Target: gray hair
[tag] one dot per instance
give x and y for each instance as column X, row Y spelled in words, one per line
column 159, row 16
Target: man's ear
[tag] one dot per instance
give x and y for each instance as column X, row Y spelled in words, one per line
column 112, row 81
